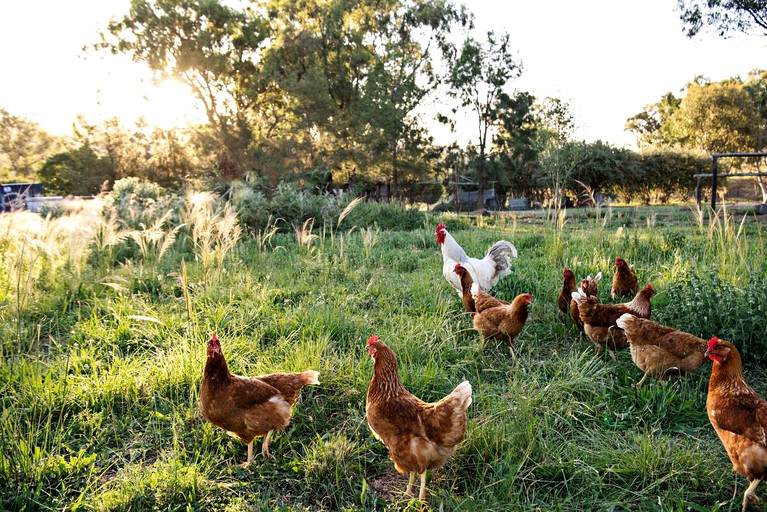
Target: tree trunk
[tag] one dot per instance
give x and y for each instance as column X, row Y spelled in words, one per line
column 762, row 187
column 481, row 184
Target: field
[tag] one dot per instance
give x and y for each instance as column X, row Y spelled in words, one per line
column 102, row 356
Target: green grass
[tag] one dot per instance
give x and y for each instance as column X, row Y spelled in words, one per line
column 101, row 364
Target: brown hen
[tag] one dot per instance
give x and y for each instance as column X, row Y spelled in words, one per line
column 248, row 407
column 466, row 282
column 419, row 435
column 738, row 415
column 498, row 319
column 625, row 283
column 661, row 351
column 568, row 287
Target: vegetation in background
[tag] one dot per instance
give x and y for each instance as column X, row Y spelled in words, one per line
column 344, row 87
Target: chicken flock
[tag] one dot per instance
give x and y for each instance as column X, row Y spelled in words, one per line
column 421, row 436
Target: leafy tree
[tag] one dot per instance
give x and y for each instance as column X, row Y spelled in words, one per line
column 515, row 144
column 24, row 146
column 555, row 164
column 652, row 124
column 170, row 158
column 122, row 150
column 714, row 117
column 596, row 166
column 756, row 86
column 717, row 117
column 77, row 172
column 355, row 71
column 403, row 74
column 213, row 48
column 478, row 74
column 724, row 16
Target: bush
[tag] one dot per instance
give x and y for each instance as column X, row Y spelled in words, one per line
column 136, row 202
column 290, row 206
column 709, row 306
column 385, row 216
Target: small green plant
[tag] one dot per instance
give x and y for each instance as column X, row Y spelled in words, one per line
column 369, row 239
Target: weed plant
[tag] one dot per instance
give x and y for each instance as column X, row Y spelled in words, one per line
column 102, row 357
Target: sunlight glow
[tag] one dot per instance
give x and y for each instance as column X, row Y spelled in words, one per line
column 171, row 104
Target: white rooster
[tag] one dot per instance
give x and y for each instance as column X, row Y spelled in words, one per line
column 485, row 272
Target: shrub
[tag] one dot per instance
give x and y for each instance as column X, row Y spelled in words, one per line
column 386, row 216
column 293, row 206
column 709, row 306
column 136, row 202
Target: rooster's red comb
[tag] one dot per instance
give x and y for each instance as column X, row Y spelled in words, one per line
column 441, row 226
column 372, row 339
column 712, row 343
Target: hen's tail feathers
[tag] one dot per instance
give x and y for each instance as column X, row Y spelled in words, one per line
column 312, row 377
column 580, row 294
column 502, row 252
column 624, row 320
column 598, row 277
column 463, row 393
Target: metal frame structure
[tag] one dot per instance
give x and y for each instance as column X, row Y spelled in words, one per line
column 714, row 174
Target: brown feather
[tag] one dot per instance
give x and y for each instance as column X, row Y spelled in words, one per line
column 466, row 282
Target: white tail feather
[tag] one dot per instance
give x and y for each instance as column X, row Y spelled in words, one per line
column 580, row 294
column 312, row 377
column 598, row 277
column 621, row 322
column 463, row 393
column 474, row 289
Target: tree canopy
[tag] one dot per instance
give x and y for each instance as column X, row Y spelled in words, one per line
column 723, row 16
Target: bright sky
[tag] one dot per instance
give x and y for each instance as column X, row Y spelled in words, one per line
column 607, row 58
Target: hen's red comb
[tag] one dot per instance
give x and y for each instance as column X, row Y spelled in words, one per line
column 457, row 266
column 649, row 285
column 712, row 343
column 213, row 337
column 372, row 339
column 441, row 226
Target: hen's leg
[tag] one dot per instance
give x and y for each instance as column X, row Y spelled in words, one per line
column 265, row 445
column 409, row 490
column 639, row 384
column 250, row 452
column 749, row 493
column 422, row 493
